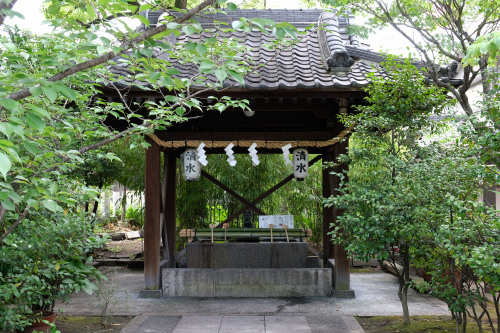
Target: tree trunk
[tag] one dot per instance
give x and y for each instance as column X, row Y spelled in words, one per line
column 404, row 281
column 181, row 4
column 96, row 202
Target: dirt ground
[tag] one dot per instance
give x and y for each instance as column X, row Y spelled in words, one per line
column 91, row 324
column 419, row 324
column 123, row 248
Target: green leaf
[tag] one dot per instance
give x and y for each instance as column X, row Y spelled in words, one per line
column 91, row 12
column 221, row 75
column 35, row 121
column 50, row 92
column 53, row 9
column 147, row 52
column 206, row 65
column 279, row 33
column 10, row 46
column 105, row 40
column 101, row 49
column 36, row 91
column 52, row 205
column 238, row 24
column 31, row 147
column 67, row 92
column 232, row 7
column 189, row 30
column 9, row 205
column 5, row 165
column 6, row 129
column 173, row 25
column 9, row 104
column 39, row 111
column 180, row 110
column 201, row 49
column 237, row 76
column 143, row 20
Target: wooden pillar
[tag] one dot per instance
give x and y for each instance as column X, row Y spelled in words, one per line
column 342, row 262
column 169, row 208
column 327, row 211
column 152, row 218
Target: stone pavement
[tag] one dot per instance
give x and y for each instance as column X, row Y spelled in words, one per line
column 243, row 324
column 376, row 294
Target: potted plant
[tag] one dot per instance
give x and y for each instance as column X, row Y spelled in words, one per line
column 45, row 260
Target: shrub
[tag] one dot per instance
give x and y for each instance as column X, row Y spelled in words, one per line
column 45, row 260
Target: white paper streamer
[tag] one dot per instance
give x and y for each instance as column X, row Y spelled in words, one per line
column 253, row 154
column 202, row 158
column 286, row 154
column 229, row 152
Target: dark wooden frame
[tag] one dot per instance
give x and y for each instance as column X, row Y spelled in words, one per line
column 160, row 218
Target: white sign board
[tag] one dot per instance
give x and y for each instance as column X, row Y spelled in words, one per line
column 278, row 220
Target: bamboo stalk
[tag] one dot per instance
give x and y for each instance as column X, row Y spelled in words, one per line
column 244, row 233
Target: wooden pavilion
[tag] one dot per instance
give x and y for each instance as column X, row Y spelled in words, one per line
column 297, row 95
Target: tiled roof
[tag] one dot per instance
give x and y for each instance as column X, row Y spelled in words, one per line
column 325, row 59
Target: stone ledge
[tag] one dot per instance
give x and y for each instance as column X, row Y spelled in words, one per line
column 150, row 293
column 261, row 282
column 343, row 293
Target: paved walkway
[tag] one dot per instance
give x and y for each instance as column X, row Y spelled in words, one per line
column 243, row 324
column 376, row 294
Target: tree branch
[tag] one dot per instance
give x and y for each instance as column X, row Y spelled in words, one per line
column 12, row 227
column 110, row 55
column 3, row 6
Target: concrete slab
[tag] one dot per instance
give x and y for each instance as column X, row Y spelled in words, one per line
column 191, row 324
column 243, row 324
column 152, row 324
column 376, row 295
column 287, row 324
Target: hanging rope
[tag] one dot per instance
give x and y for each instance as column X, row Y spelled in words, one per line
column 248, row 143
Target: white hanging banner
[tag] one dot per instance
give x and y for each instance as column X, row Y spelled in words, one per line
column 202, row 158
column 253, row 154
column 300, row 163
column 191, row 168
column 286, row 154
column 230, row 153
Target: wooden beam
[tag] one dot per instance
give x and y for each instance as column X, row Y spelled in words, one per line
column 170, row 206
column 152, row 218
column 231, row 192
column 265, row 194
column 235, row 136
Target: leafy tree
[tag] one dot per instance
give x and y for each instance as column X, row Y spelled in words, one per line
column 384, row 208
column 97, row 170
column 52, row 117
column 48, row 81
column 440, row 31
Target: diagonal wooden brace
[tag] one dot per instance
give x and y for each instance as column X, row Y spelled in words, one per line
column 231, row 192
column 264, row 195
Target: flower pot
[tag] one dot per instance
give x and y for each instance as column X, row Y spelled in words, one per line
column 39, row 325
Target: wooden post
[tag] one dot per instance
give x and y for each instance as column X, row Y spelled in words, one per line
column 327, row 211
column 342, row 262
column 169, row 209
column 152, row 219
